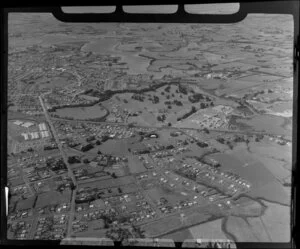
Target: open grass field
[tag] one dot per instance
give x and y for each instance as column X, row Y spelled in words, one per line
column 278, row 168
column 25, row 204
column 277, row 222
column 156, row 193
column 56, row 82
column 89, row 112
column 243, row 231
column 14, row 131
column 16, row 181
column 264, row 184
column 259, row 229
column 164, row 225
column 53, row 197
column 208, row 230
column 91, row 233
column 273, row 192
column 135, row 165
column 18, row 115
column 247, row 207
column 179, row 236
column 255, row 172
column 194, row 217
column 271, row 149
column 174, row 222
column 115, row 147
column 272, row 226
column 266, row 123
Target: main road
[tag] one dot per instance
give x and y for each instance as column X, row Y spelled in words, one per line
column 70, row 172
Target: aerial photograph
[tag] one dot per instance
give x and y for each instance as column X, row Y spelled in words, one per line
column 149, row 133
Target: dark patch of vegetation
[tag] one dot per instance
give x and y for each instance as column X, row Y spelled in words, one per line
column 203, row 105
column 202, row 144
column 192, row 111
column 161, row 118
column 74, row 159
column 87, row 147
column 182, row 89
column 138, row 97
column 90, row 138
column 167, row 89
column 155, row 100
column 206, row 130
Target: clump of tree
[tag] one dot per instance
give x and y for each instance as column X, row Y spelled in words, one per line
column 155, row 100
column 186, row 115
column 196, row 97
column 161, row 118
column 87, row 147
column 30, row 149
column 74, row 159
column 167, row 89
column 169, row 147
column 203, row 105
column 177, row 102
column 259, row 137
column 104, row 138
column 90, row 138
column 138, row 97
column 221, row 140
column 145, row 151
column 206, row 130
column 182, row 89
column 122, row 234
column 202, row 144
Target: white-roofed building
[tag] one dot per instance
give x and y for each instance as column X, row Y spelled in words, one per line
column 18, row 122
column 36, row 134
column 42, row 127
column 44, row 134
column 25, row 135
column 27, row 124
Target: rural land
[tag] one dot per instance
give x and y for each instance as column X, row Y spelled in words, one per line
column 167, row 132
